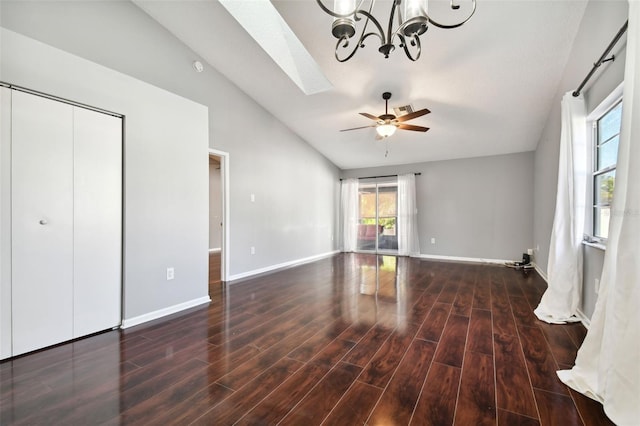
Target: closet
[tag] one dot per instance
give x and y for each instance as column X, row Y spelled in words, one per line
column 64, row 252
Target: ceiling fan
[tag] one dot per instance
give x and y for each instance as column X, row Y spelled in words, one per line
column 386, row 124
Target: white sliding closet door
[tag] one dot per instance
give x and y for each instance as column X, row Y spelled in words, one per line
column 66, row 222
column 42, row 222
column 97, row 221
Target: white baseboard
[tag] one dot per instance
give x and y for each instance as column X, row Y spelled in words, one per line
column 281, row 266
column 215, row 250
column 126, row 323
column 542, row 274
column 463, row 259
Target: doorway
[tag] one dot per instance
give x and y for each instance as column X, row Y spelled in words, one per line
column 378, row 217
column 218, row 213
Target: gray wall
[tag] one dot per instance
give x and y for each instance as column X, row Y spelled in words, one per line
column 293, row 216
column 601, row 21
column 475, row 208
column 165, row 170
column 593, row 262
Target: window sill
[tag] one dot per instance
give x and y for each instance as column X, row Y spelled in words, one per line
column 598, row 246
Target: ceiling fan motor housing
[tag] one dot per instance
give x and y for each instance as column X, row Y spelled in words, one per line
column 386, row 124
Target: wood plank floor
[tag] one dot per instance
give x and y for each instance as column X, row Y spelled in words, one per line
column 352, row 339
column 214, row 269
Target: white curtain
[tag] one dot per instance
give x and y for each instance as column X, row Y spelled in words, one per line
column 607, row 367
column 560, row 302
column 408, row 244
column 349, row 206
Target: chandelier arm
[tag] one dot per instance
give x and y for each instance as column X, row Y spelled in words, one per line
column 339, row 15
column 407, row 52
column 390, row 33
column 372, row 19
column 454, row 7
column 363, row 35
column 355, row 49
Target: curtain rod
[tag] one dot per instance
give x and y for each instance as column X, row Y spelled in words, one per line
column 602, row 59
column 384, row 176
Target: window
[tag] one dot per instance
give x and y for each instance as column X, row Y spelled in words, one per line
column 605, row 157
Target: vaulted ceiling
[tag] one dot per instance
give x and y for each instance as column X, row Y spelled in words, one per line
column 489, row 84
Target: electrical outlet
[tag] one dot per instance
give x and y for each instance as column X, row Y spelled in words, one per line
column 253, row 250
column 433, row 240
column 253, row 198
column 530, row 252
column 171, row 274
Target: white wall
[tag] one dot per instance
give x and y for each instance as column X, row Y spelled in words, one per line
column 293, row 216
column 601, row 21
column 475, row 208
column 165, row 170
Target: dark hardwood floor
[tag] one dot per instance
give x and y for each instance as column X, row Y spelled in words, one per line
column 214, row 270
column 352, row 339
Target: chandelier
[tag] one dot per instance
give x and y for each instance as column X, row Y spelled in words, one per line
column 412, row 20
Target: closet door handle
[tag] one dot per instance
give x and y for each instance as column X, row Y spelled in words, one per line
column 43, row 222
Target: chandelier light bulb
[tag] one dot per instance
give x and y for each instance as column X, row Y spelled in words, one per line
column 413, row 20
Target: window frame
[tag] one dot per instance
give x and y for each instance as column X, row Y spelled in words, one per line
column 606, row 106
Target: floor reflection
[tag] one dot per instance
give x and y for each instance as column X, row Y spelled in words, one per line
column 375, row 292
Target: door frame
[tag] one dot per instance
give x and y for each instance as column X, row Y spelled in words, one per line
column 226, row 236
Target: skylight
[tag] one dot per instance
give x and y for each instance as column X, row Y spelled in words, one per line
column 263, row 22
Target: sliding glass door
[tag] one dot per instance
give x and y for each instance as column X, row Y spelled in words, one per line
column 378, row 217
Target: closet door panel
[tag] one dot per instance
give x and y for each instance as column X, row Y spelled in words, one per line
column 42, row 218
column 97, row 221
column 5, row 223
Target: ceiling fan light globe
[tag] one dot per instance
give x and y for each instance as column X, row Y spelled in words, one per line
column 386, row 130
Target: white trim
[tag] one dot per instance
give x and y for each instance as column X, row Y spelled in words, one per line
column 215, row 250
column 164, row 312
column 598, row 246
column 226, row 216
column 283, row 265
column 542, row 274
column 462, row 259
column 613, row 98
column 603, row 107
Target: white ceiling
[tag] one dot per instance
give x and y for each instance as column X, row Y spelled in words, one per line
column 489, row 84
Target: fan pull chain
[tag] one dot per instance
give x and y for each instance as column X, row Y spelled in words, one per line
column 386, row 152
